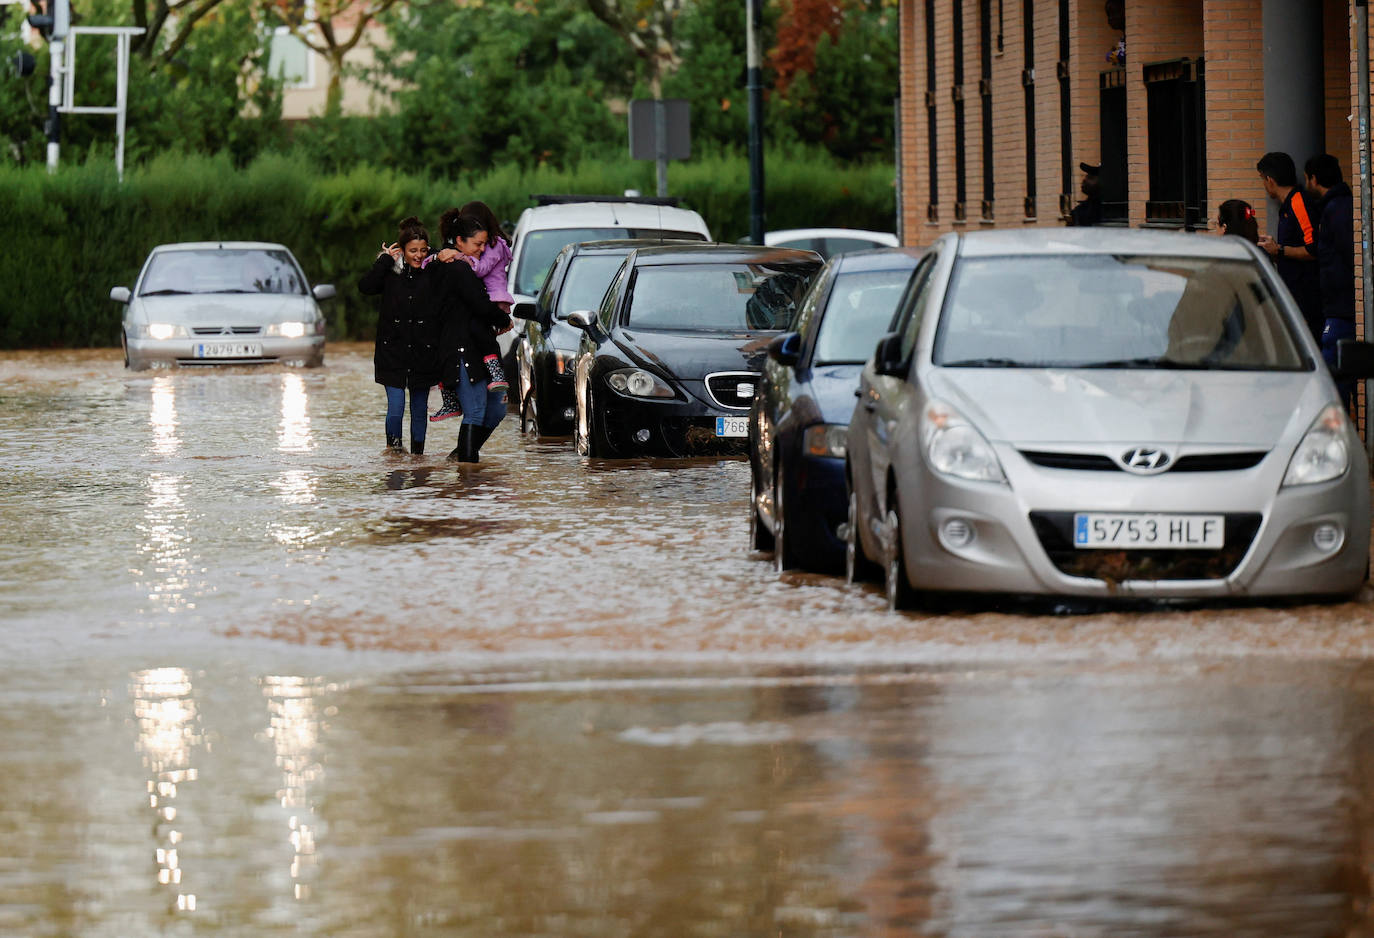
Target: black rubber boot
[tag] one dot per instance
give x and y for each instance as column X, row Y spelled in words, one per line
column 394, row 442
column 480, row 436
column 466, row 450
column 417, row 447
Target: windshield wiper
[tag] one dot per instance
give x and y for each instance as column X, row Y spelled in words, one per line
column 989, row 363
column 1145, row 362
column 167, row 292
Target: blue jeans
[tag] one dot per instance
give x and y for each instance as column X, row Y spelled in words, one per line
column 419, row 412
column 1332, row 332
column 481, row 408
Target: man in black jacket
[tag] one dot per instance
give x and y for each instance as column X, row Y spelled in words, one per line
column 1335, row 256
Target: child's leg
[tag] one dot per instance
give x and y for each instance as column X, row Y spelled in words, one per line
column 449, row 405
column 496, row 373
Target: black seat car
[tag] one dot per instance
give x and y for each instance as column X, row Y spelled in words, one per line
column 548, row 346
column 805, row 397
column 668, row 363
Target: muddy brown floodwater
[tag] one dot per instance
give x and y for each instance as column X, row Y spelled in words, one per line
column 258, row 677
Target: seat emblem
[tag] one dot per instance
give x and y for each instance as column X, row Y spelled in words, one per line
column 1145, row 459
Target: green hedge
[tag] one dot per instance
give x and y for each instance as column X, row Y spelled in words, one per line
column 76, row 234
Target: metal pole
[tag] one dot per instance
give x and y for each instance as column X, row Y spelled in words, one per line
column 53, row 126
column 1366, row 210
column 753, row 19
column 121, row 103
column 661, row 145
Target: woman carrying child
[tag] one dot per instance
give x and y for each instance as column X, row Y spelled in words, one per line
column 409, row 330
column 471, row 324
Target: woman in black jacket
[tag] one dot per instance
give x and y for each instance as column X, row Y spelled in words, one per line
column 407, row 357
column 470, row 323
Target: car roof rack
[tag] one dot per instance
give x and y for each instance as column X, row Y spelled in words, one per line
column 546, row 199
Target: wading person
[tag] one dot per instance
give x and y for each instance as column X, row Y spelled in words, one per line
column 1294, row 245
column 1335, row 258
column 471, row 323
column 407, row 355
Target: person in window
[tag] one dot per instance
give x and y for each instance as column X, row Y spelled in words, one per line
column 408, row 330
column 1088, row 212
column 1294, row 245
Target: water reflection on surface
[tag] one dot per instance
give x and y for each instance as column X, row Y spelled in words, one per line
column 169, row 734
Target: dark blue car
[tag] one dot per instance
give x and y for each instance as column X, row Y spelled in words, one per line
column 801, row 410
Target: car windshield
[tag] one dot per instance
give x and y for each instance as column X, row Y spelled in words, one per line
column 1114, row 311
column 588, row 277
column 540, row 249
column 857, row 313
column 253, row 270
column 717, row 297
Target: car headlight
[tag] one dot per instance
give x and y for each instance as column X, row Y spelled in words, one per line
column 1323, row 454
column 825, row 439
column 635, row 382
column 955, row 448
column 288, row 330
column 165, row 330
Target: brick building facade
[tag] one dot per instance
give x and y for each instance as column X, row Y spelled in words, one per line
column 1002, row 99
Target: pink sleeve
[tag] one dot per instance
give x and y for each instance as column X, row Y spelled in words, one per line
column 494, row 258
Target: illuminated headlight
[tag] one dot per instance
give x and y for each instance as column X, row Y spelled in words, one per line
column 636, row 383
column 954, row 448
column 825, row 439
column 288, row 330
column 1323, row 454
column 165, row 330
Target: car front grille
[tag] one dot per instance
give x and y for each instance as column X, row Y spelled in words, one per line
column 1055, row 531
column 1196, row 462
column 226, row 330
column 733, row 390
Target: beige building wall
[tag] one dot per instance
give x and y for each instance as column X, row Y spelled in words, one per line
column 359, row 98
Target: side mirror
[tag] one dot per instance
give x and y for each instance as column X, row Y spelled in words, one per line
column 785, row 349
column 1354, row 359
column 120, row 294
column 324, row 291
column 887, row 357
column 583, row 319
column 523, row 311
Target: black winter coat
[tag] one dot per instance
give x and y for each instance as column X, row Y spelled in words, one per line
column 1336, row 252
column 469, row 320
column 410, row 325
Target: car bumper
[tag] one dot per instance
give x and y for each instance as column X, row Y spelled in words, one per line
column 821, row 508
column 672, row 428
column 1019, row 545
column 236, row 350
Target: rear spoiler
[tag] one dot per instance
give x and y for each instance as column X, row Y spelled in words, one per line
column 544, row 199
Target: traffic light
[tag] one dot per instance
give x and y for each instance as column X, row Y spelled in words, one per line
column 53, row 20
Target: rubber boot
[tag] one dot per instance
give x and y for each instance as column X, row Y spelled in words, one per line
column 417, row 447
column 480, row 436
column 394, row 442
column 465, row 451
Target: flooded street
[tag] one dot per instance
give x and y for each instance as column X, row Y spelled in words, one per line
column 260, row 677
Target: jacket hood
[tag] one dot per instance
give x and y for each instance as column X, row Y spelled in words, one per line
column 1044, row 406
column 691, row 356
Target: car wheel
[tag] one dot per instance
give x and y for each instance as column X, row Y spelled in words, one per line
column 599, row 437
column 760, row 538
column 900, row 595
column 857, row 567
column 782, row 552
column 529, row 417
column 124, row 342
column 548, row 416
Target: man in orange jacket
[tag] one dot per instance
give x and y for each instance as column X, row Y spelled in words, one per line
column 1294, row 245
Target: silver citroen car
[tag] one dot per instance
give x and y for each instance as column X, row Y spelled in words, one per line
column 222, row 302
column 1104, row 413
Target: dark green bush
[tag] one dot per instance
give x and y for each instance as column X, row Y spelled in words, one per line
column 74, row 235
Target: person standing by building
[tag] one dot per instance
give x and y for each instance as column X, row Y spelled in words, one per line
column 1294, row 245
column 1088, row 212
column 1335, row 257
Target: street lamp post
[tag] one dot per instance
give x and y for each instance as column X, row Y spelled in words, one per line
column 754, row 80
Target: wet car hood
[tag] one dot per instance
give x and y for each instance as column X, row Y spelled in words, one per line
column 1038, row 406
column 833, row 387
column 233, row 309
column 691, row 356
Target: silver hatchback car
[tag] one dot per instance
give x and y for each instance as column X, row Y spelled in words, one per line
column 222, row 302
column 1103, row 413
